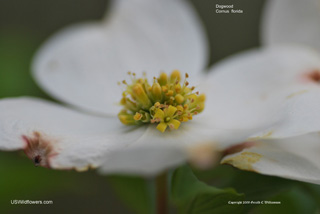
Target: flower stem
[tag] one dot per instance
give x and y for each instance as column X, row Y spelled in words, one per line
column 162, row 194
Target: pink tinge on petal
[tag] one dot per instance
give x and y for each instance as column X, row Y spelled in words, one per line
column 238, row 148
column 39, row 148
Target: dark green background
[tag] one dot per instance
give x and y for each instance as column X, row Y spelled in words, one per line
column 24, row 25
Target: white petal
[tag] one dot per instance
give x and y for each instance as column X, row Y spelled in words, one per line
column 294, row 158
column 68, row 139
column 298, row 115
column 143, row 160
column 82, row 64
column 292, row 21
column 264, row 88
column 154, row 151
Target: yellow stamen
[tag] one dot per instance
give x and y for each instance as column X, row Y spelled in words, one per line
column 157, row 92
column 179, row 98
column 177, row 88
column 175, row 76
column 141, row 96
column 126, row 119
column 159, row 114
column 180, row 108
column 157, row 105
column 164, row 88
column 162, row 127
column 163, row 79
column 170, row 93
column 166, row 101
column 170, row 111
column 202, row 98
column 137, row 116
column 174, row 123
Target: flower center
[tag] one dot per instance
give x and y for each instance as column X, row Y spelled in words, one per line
column 167, row 119
column 168, row 101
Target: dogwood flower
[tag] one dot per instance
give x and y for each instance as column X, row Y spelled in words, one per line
column 163, row 119
column 290, row 156
column 81, row 66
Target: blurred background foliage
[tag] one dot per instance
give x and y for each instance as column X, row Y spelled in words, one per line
column 25, row 24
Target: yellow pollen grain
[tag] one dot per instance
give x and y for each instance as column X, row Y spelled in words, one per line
column 179, row 98
column 163, row 79
column 175, row 76
column 184, row 119
column 138, row 89
column 193, row 97
column 156, row 91
column 170, row 93
column 180, row 108
column 177, row 88
column 157, row 105
column 202, row 98
column 137, row 116
column 164, row 88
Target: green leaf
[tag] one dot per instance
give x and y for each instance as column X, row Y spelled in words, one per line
column 295, row 201
column 254, row 186
column 136, row 192
column 194, row 196
column 313, row 190
column 258, row 187
column 21, row 180
column 15, row 61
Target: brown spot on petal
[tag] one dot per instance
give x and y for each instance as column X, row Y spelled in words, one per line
column 315, row 76
column 39, row 148
column 311, row 76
